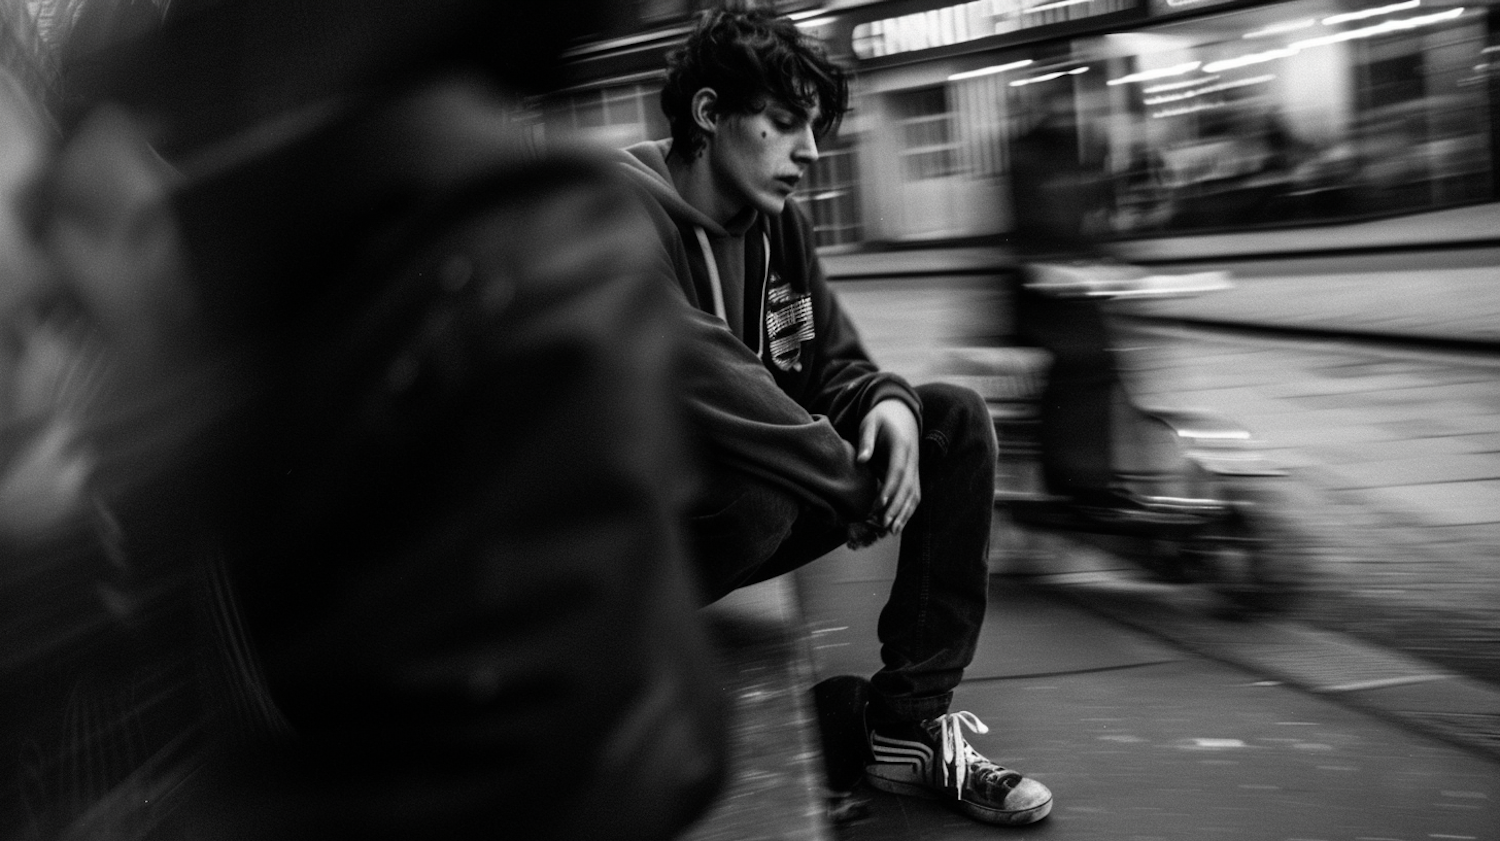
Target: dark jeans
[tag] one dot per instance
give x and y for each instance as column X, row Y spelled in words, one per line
column 930, row 624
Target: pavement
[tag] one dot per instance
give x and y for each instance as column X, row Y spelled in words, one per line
column 1086, row 683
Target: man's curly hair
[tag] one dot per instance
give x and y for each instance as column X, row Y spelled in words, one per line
column 750, row 58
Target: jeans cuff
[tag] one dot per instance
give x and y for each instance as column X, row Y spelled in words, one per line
column 884, row 711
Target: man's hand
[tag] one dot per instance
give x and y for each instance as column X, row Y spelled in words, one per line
column 889, row 434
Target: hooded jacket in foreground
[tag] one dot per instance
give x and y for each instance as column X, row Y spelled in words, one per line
column 785, row 401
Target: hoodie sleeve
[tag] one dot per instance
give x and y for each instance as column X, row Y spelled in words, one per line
column 742, row 415
column 843, row 383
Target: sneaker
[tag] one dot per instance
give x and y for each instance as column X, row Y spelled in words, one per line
column 933, row 760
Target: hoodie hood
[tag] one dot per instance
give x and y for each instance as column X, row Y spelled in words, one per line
column 646, row 163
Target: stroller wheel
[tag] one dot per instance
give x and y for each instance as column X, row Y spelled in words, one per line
column 1174, row 560
column 1234, row 556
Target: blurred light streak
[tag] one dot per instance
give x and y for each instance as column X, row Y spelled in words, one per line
column 1162, row 73
column 1379, row 29
column 1047, row 77
column 1281, row 28
column 1334, row 20
column 986, row 71
column 1047, row 7
column 1249, row 59
column 1326, row 40
column 1223, row 86
column 1174, row 86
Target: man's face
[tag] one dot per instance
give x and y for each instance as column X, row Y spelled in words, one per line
column 758, row 159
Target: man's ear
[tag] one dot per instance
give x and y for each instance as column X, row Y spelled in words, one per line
column 705, row 110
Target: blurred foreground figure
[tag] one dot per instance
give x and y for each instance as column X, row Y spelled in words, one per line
column 811, row 445
column 101, row 394
column 445, row 469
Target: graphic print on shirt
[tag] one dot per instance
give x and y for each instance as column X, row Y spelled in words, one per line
column 789, row 323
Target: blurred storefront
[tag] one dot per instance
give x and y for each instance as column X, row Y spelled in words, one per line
column 1202, row 114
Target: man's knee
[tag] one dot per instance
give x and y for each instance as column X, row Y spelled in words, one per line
column 959, row 417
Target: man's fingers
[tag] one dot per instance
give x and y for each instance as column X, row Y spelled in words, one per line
column 900, row 472
column 867, row 435
column 903, row 492
column 907, row 510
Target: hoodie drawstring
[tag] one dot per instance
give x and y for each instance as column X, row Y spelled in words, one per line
column 765, row 286
column 713, row 273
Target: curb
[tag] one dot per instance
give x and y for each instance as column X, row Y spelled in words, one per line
column 775, row 787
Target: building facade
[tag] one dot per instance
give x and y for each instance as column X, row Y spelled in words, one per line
column 1201, row 114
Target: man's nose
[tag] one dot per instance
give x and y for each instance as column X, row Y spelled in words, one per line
column 806, row 150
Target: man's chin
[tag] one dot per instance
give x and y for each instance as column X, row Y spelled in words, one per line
column 772, row 205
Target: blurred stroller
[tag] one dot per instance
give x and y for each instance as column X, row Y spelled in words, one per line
column 1078, row 454
column 1180, row 491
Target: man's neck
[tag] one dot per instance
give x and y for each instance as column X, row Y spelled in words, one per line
column 695, row 183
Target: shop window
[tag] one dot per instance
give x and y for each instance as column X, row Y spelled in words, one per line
column 929, row 147
column 1394, row 81
column 831, row 196
column 1281, row 114
column 614, row 116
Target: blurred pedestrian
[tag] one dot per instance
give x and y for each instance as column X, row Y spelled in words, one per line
column 810, row 444
column 1059, row 192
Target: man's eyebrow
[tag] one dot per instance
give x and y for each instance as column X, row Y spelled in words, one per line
column 811, row 114
column 789, row 107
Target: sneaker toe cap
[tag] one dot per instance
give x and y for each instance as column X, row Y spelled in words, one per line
column 1029, row 801
column 1028, row 794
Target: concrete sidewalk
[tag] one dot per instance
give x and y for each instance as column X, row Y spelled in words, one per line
column 1180, row 725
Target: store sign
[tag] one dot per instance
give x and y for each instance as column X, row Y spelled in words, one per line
column 949, row 25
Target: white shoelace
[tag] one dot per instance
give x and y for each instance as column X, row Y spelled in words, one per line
column 955, row 748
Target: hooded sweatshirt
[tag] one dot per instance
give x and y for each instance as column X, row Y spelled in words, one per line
column 777, row 379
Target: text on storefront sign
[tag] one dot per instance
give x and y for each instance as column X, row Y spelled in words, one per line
column 969, row 22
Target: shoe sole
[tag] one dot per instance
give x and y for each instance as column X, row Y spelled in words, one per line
column 983, row 814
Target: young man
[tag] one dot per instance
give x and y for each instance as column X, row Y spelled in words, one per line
column 809, row 444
